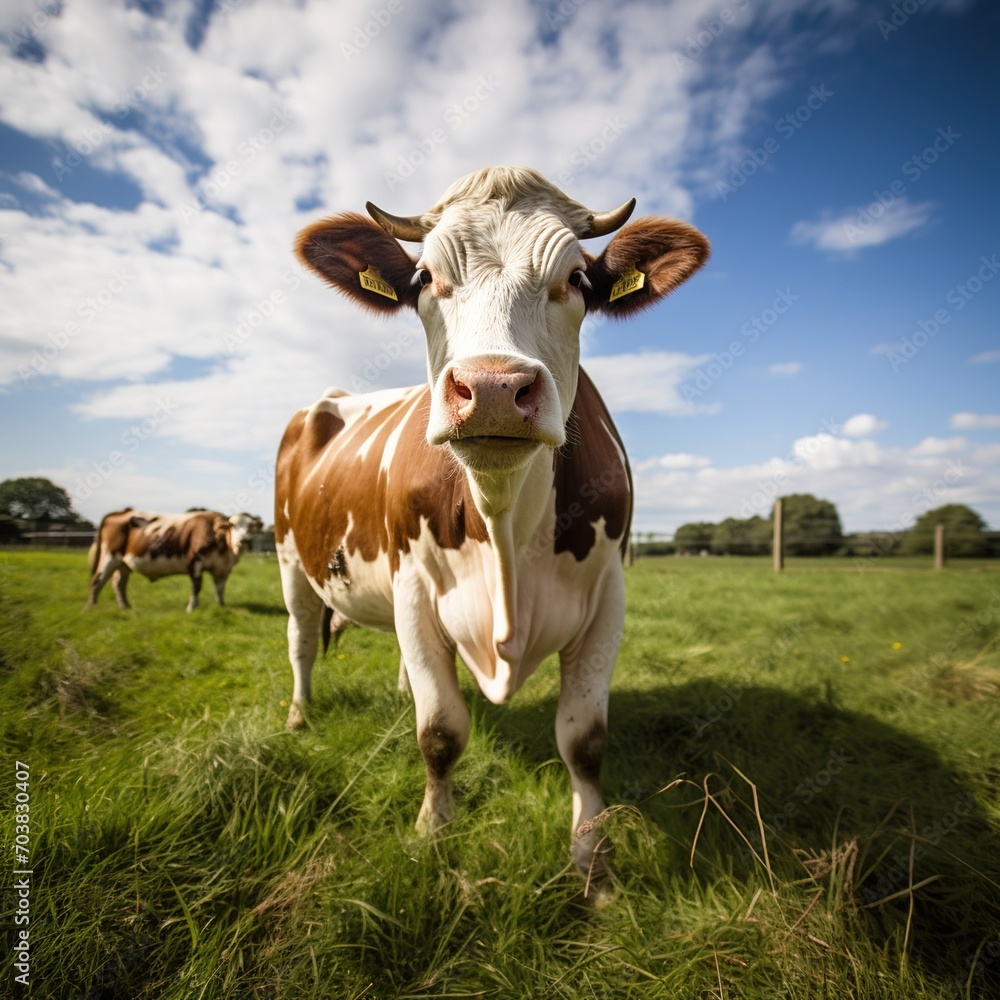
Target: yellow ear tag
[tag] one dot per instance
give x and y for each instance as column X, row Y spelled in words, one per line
column 631, row 281
column 372, row 281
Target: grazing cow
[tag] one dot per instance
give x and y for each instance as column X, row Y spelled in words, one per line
column 159, row 545
column 485, row 513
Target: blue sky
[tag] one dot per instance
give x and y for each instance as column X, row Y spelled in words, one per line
column 157, row 159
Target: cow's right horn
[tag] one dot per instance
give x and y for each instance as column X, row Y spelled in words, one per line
column 412, row 228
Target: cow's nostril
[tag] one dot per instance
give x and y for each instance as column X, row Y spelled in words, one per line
column 521, row 393
column 463, row 390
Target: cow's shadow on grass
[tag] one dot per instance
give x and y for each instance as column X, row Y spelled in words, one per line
column 256, row 608
column 844, row 799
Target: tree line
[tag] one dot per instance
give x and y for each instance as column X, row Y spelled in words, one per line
column 36, row 504
column 812, row 527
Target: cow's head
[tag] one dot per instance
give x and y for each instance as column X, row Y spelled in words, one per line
column 502, row 286
column 246, row 524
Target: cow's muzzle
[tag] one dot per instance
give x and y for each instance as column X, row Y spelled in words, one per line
column 496, row 403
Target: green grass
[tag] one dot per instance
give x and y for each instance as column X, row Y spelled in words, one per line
column 779, row 776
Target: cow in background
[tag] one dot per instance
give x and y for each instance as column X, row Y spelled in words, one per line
column 484, row 513
column 159, row 545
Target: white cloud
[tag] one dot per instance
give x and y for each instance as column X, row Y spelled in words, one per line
column 975, row 421
column 786, row 368
column 863, row 425
column 986, row 454
column 648, row 381
column 825, row 451
column 865, row 226
column 677, row 460
column 931, row 446
column 34, row 184
column 873, row 488
column 210, row 466
column 986, row 358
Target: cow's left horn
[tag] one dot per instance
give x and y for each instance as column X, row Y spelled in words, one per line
column 602, row 223
column 413, row 229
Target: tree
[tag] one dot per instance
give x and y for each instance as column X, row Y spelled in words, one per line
column 873, row 544
column 811, row 526
column 690, row 539
column 734, row 537
column 964, row 532
column 35, row 499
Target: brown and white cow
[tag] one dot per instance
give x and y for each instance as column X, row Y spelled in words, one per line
column 158, row 545
column 486, row 512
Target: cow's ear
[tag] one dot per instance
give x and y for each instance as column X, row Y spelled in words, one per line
column 351, row 253
column 644, row 261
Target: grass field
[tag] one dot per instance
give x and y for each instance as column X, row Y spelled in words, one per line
column 803, row 772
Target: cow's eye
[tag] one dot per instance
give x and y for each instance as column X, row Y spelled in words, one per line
column 421, row 277
column 578, row 279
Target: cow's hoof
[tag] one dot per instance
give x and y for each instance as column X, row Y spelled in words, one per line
column 600, row 894
column 296, row 720
column 431, row 820
column 590, row 853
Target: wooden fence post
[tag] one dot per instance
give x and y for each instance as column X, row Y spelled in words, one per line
column 939, row 546
column 778, row 545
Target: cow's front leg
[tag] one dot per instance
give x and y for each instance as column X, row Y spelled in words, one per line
column 582, row 716
column 403, row 682
column 219, row 579
column 441, row 713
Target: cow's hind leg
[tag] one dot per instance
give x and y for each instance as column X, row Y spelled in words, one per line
column 582, row 718
column 194, row 571
column 104, row 571
column 119, row 581
column 442, row 716
column 305, row 615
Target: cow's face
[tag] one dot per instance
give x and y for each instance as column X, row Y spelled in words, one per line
column 501, row 304
column 246, row 524
column 502, row 285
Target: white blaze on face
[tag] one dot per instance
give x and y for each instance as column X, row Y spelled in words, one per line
column 502, row 324
column 243, row 525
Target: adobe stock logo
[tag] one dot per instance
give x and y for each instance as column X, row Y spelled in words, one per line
column 88, row 310
column 455, row 116
column 899, row 14
column 132, row 439
column 365, row 34
column 588, row 152
column 786, row 126
column 957, row 298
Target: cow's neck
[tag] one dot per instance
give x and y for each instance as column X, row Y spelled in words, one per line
column 513, row 507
